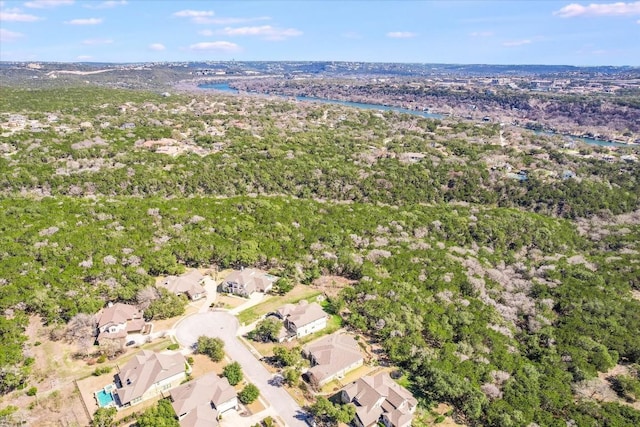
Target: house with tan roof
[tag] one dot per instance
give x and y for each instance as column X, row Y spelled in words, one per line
column 147, row 375
column 199, row 402
column 117, row 320
column 332, row 357
column 247, row 281
column 302, row 319
column 190, row 284
column 380, row 399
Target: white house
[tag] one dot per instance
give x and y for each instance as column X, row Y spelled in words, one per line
column 303, row 318
column 117, row 320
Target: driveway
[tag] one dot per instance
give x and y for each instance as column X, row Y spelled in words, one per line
column 225, row 326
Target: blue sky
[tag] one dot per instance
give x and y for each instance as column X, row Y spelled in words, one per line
column 492, row 32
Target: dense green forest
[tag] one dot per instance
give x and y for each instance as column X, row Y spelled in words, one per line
column 501, row 297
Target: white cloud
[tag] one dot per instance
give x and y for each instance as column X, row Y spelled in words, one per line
column 215, row 46
column 14, row 15
column 352, row 35
column 514, row 43
column 157, row 46
column 83, row 57
column 481, row 34
column 188, row 13
column 196, row 16
column 611, row 9
column 107, row 4
column 45, row 4
column 93, row 42
column 207, row 17
column 266, row 31
column 206, row 33
column 84, row 21
column 9, row 36
column 232, row 21
column 401, row 34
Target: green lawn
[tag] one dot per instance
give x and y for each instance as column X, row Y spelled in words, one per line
column 298, row 293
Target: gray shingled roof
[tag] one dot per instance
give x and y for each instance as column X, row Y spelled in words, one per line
column 302, row 314
column 332, row 354
column 118, row 313
column 209, row 388
column 145, row 369
column 188, row 283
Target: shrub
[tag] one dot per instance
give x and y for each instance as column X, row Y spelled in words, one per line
column 212, row 347
column 233, row 373
column 173, row 346
column 249, row 394
column 103, row 370
column 32, row 391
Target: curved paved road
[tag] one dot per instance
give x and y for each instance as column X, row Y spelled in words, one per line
column 225, row 326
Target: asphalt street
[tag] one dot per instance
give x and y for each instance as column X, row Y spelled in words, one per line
column 225, row 326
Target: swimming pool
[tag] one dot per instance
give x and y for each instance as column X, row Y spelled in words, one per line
column 105, row 398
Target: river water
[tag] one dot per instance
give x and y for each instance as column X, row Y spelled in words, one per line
column 224, row 87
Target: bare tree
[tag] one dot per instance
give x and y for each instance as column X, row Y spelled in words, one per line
column 110, row 347
column 81, row 326
column 82, row 330
column 146, row 295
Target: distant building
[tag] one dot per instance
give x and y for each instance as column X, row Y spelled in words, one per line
column 380, row 399
column 247, row 281
column 332, row 357
column 148, row 375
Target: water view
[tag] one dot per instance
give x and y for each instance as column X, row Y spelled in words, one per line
column 224, row 87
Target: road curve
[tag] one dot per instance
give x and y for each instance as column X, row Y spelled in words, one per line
column 224, row 325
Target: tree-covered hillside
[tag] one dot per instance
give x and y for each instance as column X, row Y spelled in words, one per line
column 503, row 297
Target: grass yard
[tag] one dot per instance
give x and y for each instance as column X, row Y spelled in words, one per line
column 335, row 385
column 298, row 293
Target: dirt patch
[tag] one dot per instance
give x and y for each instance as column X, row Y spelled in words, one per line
column 203, row 364
column 435, row 417
column 229, row 302
column 635, row 294
column 599, row 388
column 331, row 285
column 255, row 407
column 53, row 372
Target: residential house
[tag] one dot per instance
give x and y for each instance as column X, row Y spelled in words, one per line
column 199, row 402
column 380, row 399
column 247, row 281
column 190, row 284
column 117, row 320
column 302, row 319
column 147, row 375
column 332, row 357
